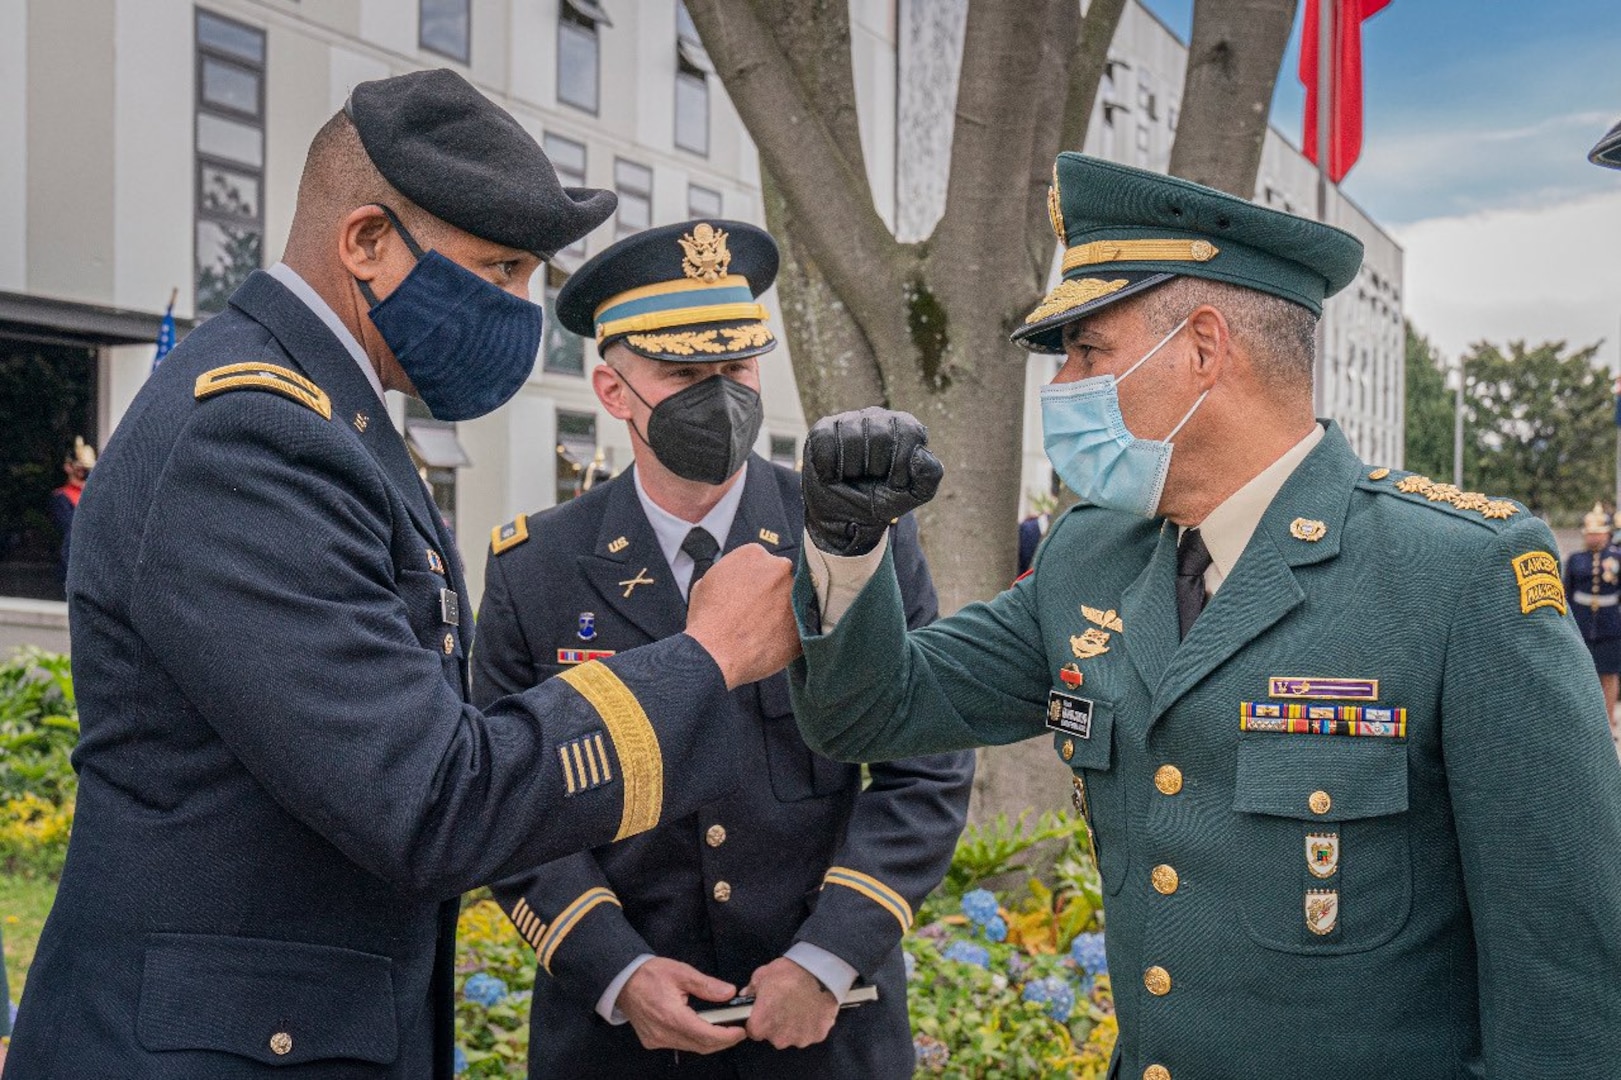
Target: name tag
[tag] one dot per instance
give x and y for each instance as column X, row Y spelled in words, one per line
column 1069, row 714
column 450, row 607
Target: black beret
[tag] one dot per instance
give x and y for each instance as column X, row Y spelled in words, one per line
column 466, row 161
column 681, row 293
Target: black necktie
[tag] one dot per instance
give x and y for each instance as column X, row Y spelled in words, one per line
column 701, row 546
column 1192, row 560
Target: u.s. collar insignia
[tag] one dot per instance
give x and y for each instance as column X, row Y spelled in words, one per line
column 1109, row 620
column 588, row 626
column 1322, row 910
column 1308, row 529
column 1322, row 854
column 1070, row 675
column 769, row 537
column 618, row 544
column 1089, row 643
column 706, row 256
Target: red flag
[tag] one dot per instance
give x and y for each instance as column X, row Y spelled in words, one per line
column 1345, row 127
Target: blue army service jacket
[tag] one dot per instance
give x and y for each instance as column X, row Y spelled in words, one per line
column 1593, row 583
column 1433, row 898
column 797, row 852
column 282, row 787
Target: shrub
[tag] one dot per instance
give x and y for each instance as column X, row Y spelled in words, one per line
column 39, row 726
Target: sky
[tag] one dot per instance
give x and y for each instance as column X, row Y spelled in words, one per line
column 1477, row 119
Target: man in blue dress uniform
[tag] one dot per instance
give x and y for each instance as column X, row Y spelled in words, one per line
column 1593, row 582
column 802, row 881
column 283, row 789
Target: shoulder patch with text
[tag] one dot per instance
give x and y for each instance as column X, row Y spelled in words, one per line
column 1540, row 587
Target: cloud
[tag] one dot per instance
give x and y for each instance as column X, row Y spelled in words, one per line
column 1416, row 174
column 1548, row 273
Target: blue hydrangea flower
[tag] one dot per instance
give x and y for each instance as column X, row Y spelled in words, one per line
column 1054, row 993
column 979, row 906
column 460, row 1064
column 966, row 952
column 1017, row 965
column 485, row 989
column 1089, row 955
column 931, row 1052
column 995, row 928
column 911, row 965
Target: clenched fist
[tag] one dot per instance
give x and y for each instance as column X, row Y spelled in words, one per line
column 863, row 470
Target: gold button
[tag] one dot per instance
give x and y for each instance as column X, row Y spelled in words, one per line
column 1168, row 779
column 1165, row 879
column 1069, row 749
column 1319, row 802
column 1157, row 980
column 723, row 892
column 1378, row 474
column 450, row 644
column 281, row 1044
column 716, row 836
column 1156, row 1072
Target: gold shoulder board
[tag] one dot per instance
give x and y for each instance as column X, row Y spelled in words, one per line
column 276, row 379
column 508, row 536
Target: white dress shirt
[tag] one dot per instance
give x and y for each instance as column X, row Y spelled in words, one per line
column 323, row 311
column 829, row 970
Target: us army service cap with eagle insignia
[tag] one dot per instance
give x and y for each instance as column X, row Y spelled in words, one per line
column 684, row 293
column 1124, row 231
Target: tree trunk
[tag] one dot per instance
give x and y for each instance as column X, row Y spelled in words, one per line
column 1232, row 67
column 923, row 327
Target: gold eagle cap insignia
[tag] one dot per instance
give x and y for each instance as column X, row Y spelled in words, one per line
column 1109, row 620
column 706, row 255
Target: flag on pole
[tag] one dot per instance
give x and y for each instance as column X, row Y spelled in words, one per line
column 166, row 331
column 1618, row 403
column 1345, row 97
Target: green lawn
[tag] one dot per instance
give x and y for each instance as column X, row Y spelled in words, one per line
column 24, row 903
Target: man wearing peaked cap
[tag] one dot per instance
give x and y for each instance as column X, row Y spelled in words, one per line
column 1337, row 737
column 800, row 882
column 1593, row 582
column 283, row 787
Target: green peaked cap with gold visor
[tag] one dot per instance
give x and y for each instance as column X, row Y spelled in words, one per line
column 1124, row 231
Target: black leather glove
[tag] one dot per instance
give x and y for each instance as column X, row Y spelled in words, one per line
column 862, row 471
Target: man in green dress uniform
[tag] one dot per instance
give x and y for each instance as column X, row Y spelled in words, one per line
column 1339, row 741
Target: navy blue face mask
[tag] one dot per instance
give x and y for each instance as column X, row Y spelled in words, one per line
column 466, row 345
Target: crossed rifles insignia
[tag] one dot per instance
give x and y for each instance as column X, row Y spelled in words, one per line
column 641, row 578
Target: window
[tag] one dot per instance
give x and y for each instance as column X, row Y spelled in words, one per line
column 579, row 53
column 568, row 158
column 443, row 26
column 692, row 71
column 578, row 460
column 784, row 451
column 702, row 203
column 562, row 350
column 437, row 454
column 229, row 176
column 634, row 184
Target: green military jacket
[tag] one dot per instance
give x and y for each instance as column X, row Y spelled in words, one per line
column 1363, row 822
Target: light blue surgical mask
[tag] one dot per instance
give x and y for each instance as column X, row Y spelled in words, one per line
column 1093, row 452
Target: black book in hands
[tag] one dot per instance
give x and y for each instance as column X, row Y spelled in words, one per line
column 737, row 1010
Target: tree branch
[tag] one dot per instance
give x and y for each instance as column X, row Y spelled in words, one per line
column 997, row 120
column 828, row 193
column 1232, row 67
column 1086, row 68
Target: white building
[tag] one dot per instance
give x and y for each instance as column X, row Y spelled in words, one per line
column 155, row 145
